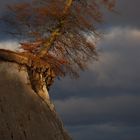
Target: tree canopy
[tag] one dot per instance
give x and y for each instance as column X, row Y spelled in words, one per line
column 56, row 31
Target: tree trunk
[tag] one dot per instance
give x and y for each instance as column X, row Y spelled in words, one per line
column 24, row 115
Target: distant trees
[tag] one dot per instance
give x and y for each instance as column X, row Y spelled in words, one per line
column 52, row 34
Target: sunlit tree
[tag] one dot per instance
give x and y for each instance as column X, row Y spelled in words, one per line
column 53, row 37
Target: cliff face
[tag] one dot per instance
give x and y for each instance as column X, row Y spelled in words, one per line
column 23, row 115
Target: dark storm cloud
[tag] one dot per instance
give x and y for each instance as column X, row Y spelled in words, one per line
column 104, row 103
column 105, row 132
column 128, row 14
column 116, row 72
column 109, row 118
column 3, row 7
column 117, row 110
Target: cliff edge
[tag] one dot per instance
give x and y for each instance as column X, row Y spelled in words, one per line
column 23, row 115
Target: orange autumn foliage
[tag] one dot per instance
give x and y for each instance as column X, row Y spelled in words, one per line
column 56, row 30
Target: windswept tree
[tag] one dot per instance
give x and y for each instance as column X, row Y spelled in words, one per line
column 53, row 35
column 53, row 42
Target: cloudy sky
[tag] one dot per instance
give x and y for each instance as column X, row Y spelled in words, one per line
column 104, row 103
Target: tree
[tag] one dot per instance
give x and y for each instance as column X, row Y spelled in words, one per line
column 53, row 37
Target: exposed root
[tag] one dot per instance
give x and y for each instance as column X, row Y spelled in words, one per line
column 41, row 76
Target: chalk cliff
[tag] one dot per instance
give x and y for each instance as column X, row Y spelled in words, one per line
column 23, row 115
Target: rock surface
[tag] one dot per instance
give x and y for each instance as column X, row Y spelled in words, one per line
column 23, row 115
